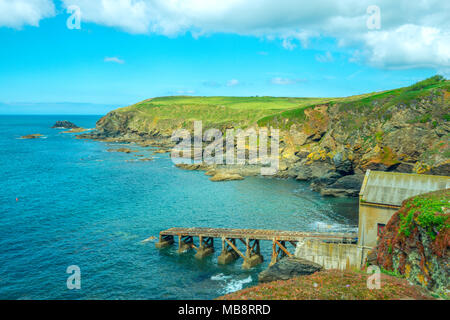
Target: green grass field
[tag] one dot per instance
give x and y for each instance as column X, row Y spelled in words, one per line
column 245, row 111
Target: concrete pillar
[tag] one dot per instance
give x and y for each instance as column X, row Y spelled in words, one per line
column 182, row 245
column 204, row 250
column 164, row 242
column 227, row 257
column 254, row 260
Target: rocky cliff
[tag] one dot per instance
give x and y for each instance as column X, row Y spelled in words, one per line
column 330, row 142
column 416, row 241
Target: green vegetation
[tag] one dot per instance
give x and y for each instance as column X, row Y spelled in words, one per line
column 360, row 103
column 428, row 211
column 281, row 112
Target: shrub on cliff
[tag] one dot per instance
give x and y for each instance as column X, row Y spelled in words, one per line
column 416, row 241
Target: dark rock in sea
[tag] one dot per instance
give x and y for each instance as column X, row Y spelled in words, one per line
column 64, row 125
column 32, row 136
column 288, row 268
column 125, row 150
column 347, row 186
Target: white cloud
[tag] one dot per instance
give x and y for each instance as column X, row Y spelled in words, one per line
column 232, row 83
column 326, row 57
column 409, row 45
column 129, row 15
column 185, row 92
column 19, row 13
column 114, row 59
column 294, row 22
column 412, row 34
column 285, row 81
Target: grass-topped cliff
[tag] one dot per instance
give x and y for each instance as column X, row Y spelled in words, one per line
column 405, row 129
column 416, row 241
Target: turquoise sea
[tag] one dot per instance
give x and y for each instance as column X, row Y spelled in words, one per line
column 65, row 201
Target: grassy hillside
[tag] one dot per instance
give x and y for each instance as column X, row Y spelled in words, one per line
column 366, row 102
column 179, row 111
column 219, row 110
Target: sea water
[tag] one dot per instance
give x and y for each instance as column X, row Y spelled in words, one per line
column 69, row 202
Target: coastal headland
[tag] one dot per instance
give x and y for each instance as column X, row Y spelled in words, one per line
column 330, row 142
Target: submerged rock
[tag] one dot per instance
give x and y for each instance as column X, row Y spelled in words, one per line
column 226, row 176
column 288, row 268
column 161, row 151
column 126, row 150
column 32, row 136
column 76, row 130
column 64, row 125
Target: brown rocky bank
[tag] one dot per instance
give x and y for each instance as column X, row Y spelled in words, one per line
column 416, row 242
column 330, row 144
column 331, row 285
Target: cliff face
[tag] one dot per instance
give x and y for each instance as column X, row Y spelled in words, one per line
column 416, row 241
column 330, row 143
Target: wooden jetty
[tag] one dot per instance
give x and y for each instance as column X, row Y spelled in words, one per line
column 250, row 238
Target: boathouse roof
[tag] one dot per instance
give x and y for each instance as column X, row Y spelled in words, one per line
column 392, row 188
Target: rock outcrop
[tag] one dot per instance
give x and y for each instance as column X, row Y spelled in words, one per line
column 64, row 125
column 125, row 150
column 32, row 136
column 288, row 268
column 416, row 241
column 226, row 176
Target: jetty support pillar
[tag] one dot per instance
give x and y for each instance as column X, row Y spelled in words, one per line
column 253, row 256
column 185, row 243
column 205, row 248
column 280, row 252
column 227, row 255
column 164, row 241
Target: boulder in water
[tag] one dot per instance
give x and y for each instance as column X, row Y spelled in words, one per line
column 64, row 125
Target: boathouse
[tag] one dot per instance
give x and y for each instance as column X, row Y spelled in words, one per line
column 382, row 194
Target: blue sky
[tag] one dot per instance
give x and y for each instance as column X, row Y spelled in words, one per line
column 107, row 64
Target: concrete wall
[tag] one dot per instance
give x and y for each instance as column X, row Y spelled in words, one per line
column 332, row 255
column 369, row 217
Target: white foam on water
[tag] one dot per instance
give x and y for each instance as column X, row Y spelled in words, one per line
column 236, row 285
column 220, row 277
column 231, row 285
column 332, row 227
